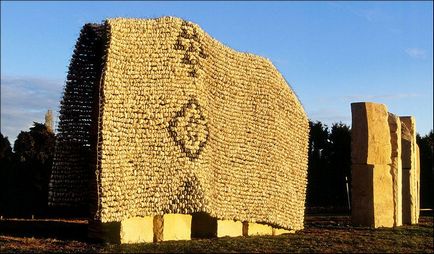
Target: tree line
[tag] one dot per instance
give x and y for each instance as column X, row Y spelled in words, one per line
column 25, row 170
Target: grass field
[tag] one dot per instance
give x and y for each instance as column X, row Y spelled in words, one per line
column 325, row 234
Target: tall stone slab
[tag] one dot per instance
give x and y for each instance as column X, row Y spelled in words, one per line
column 396, row 167
column 417, row 183
column 372, row 180
column 410, row 211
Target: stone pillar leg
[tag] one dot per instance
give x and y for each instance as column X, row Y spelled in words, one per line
column 169, row 227
column 132, row 230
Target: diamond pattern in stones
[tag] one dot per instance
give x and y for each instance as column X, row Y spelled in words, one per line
column 189, row 129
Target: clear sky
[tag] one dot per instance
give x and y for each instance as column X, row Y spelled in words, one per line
column 331, row 53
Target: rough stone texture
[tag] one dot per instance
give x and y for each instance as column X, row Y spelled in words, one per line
column 372, row 182
column 410, row 195
column 259, row 229
column 372, row 196
column 362, row 201
column 396, row 167
column 137, row 230
column 158, row 117
column 229, row 228
column 370, row 134
column 158, row 228
column 383, row 196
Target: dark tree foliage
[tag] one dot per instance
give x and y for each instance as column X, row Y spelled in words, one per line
column 5, row 164
column 5, row 148
column 318, row 141
column 26, row 178
column 426, row 145
column 339, row 164
column 329, row 164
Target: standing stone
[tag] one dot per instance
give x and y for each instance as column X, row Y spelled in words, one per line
column 49, row 121
column 410, row 211
column 137, row 230
column 372, row 181
column 396, row 167
column 417, row 183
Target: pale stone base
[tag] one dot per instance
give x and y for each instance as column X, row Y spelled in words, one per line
column 177, row 227
column 229, row 228
column 259, row 229
column 170, row 227
column 137, row 230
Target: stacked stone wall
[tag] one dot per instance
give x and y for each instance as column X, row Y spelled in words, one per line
column 167, row 120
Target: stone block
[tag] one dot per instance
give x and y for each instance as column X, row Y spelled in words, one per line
column 370, row 134
column 417, row 183
column 372, row 196
column 410, row 176
column 383, row 196
column 362, row 202
column 229, row 228
column 259, row 229
column 406, row 197
column 396, row 167
column 176, row 227
column 137, row 230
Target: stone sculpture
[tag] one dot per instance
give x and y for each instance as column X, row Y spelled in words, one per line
column 160, row 123
column 385, row 177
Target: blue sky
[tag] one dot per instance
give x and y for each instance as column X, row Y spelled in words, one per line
column 331, row 53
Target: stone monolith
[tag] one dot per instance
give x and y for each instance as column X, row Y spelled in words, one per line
column 372, row 180
column 410, row 197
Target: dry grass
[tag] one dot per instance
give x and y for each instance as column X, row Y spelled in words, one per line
column 323, row 234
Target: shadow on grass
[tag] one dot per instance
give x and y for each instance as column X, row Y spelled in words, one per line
column 57, row 229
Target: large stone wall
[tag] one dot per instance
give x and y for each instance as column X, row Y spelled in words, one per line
column 177, row 123
column 385, row 171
